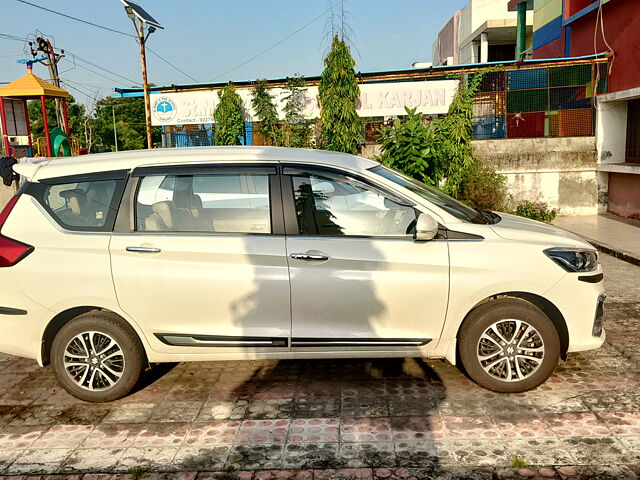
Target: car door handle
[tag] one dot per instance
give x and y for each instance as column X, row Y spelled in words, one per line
column 143, row 249
column 309, row 256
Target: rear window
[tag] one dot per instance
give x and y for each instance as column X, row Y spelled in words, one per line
column 85, row 205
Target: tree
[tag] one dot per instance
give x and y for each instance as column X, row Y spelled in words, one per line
column 228, row 117
column 266, row 113
column 342, row 128
column 130, row 124
column 408, row 146
column 453, row 134
column 297, row 132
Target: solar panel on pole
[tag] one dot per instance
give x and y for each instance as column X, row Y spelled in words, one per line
column 140, row 13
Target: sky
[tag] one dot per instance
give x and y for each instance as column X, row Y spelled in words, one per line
column 207, row 39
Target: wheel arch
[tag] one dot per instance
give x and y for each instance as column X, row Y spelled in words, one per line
column 547, row 307
column 64, row 317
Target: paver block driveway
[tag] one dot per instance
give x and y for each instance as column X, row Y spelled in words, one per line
column 323, row 414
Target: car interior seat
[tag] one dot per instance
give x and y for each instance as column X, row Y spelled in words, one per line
column 162, row 218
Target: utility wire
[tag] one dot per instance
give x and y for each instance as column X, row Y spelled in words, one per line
column 120, row 32
column 172, row 65
column 76, row 18
column 89, row 96
column 12, row 37
column 275, row 44
column 101, row 68
column 77, row 57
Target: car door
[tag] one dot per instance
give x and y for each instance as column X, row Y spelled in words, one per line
column 358, row 277
column 202, row 266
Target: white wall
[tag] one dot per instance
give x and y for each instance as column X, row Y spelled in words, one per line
column 611, row 131
column 558, row 171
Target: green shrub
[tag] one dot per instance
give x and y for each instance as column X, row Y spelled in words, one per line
column 407, row 146
column 482, row 187
column 536, row 211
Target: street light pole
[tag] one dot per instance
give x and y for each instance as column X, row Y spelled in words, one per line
column 115, row 132
column 140, row 19
column 145, row 85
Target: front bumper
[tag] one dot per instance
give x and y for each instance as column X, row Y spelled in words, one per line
column 582, row 306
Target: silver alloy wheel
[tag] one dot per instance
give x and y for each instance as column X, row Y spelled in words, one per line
column 94, row 361
column 510, row 350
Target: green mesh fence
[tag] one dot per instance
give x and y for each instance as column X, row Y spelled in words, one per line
column 554, row 101
column 570, row 75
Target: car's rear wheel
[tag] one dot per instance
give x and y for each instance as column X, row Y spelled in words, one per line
column 508, row 345
column 97, row 357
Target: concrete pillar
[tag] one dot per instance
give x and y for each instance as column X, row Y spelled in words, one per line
column 484, row 48
column 521, row 30
column 474, row 52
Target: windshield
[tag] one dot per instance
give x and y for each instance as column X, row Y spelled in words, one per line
column 435, row 196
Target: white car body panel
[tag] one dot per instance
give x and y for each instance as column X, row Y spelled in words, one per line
column 199, row 284
column 380, row 285
column 386, row 288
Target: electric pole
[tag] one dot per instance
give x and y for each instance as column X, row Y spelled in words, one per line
column 44, row 45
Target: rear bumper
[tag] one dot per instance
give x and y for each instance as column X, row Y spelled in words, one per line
column 21, row 322
column 20, row 336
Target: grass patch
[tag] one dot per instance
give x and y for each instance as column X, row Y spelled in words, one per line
column 137, row 472
column 518, row 462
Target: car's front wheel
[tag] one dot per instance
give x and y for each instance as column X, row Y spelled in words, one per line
column 97, row 357
column 508, row 345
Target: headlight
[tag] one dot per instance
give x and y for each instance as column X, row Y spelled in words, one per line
column 574, row 259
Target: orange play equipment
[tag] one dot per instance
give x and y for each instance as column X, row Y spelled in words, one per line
column 15, row 117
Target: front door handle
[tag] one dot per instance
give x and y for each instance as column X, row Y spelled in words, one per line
column 309, row 256
column 143, row 249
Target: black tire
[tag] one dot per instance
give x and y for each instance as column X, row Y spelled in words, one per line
column 131, row 361
column 502, row 309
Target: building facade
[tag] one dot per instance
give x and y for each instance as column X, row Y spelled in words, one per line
column 575, row 28
column 483, row 31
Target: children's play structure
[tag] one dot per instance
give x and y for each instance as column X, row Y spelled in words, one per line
column 16, row 127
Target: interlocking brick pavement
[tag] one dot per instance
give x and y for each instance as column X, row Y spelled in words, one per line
column 339, row 419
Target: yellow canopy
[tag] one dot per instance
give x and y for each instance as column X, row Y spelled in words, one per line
column 31, row 86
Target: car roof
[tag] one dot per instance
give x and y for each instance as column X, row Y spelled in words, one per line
column 129, row 160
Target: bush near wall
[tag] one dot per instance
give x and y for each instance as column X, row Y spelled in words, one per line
column 482, row 187
column 539, row 211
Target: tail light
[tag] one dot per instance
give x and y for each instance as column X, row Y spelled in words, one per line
column 11, row 251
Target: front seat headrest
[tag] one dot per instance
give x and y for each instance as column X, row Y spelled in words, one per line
column 165, row 212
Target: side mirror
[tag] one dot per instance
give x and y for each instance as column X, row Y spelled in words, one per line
column 426, row 227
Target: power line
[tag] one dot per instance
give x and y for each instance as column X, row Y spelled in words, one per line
column 93, row 64
column 101, row 68
column 108, row 29
column 275, row 44
column 12, row 37
column 77, row 57
column 90, row 84
column 76, row 18
column 89, row 96
column 171, row 64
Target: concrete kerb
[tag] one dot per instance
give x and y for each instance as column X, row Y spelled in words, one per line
column 614, row 251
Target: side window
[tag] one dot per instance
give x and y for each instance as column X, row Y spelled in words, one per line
column 335, row 206
column 88, row 205
column 219, row 203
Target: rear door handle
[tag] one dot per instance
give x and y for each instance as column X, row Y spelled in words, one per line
column 309, row 256
column 143, row 249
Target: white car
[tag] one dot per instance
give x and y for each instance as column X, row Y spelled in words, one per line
column 116, row 261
